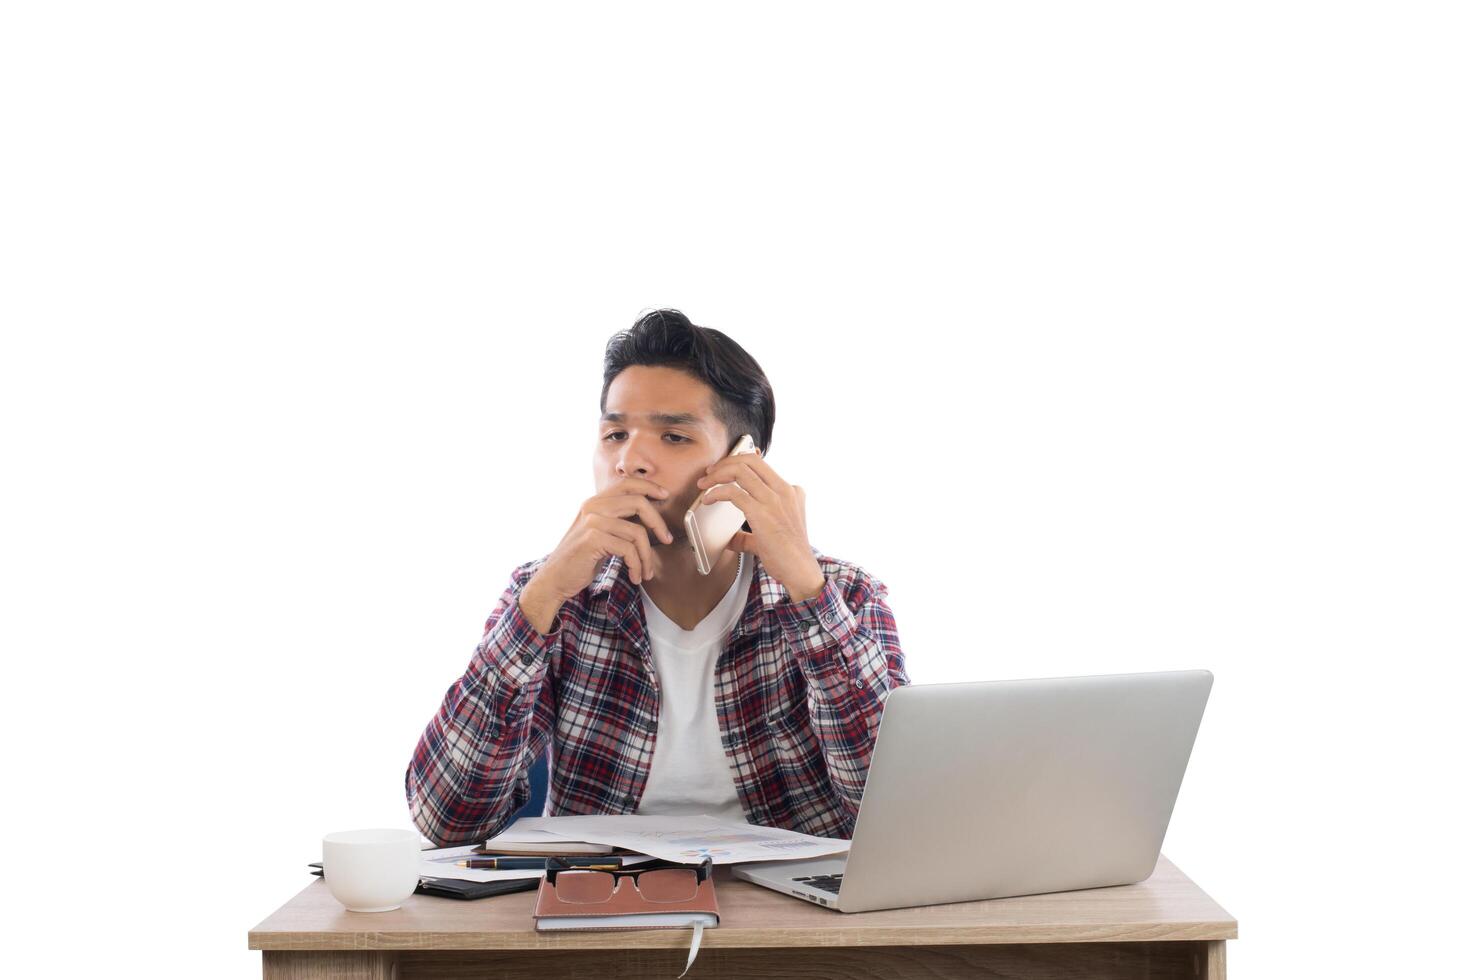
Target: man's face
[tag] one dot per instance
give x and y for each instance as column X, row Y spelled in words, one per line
column 672, row 451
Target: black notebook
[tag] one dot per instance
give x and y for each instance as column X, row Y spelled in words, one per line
column 459, row 888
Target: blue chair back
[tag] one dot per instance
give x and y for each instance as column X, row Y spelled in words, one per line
column 539, row 777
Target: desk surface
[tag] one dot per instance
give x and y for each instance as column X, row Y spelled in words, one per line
column 1165, row 907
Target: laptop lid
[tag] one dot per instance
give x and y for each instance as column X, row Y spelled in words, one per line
column 997, row 788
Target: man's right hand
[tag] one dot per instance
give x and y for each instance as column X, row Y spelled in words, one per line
column 599, row 530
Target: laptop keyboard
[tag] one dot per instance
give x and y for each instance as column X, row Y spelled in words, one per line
column 827, row 883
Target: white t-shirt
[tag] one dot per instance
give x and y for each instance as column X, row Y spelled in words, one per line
column 691, row 773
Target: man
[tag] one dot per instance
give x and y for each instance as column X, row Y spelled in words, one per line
column 752, row 693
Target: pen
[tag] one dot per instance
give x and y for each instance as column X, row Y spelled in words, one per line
column 525, row 864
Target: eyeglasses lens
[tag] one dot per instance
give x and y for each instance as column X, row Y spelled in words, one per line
column 669, row 885
column 663, row 885
column 584, row 886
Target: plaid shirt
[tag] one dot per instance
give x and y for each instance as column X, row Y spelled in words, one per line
column 799, row 689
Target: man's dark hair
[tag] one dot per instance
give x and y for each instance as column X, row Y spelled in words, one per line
column 743, row 398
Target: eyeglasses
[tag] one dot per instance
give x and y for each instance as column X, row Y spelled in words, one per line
column 580, row 886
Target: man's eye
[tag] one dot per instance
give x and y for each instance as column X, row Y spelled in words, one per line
column 671, row 435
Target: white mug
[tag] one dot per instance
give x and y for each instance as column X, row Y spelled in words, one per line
column 371, row 870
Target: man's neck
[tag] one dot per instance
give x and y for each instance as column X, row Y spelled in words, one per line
column 680, row 592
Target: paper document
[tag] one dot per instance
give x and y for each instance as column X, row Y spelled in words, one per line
column 683, row 839
column 438, row 862
column 538, row 839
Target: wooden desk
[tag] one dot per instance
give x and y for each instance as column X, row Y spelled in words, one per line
column 1162, row 927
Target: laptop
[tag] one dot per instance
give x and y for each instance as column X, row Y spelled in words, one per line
column 998, row 788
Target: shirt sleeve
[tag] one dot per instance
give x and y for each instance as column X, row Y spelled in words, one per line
column 847, row 647
column 470, row 772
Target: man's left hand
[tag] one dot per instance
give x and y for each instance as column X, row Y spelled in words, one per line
column 776, row 513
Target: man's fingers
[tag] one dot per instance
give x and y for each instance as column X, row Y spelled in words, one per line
column 735, row 494
column 654, row 520
column 618, row 545
column 635, row 535
column 761, row 466
column 636, row 484
column 737, row 471
column 632, row 504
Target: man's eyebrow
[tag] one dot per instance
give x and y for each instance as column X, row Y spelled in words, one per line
column 659, row 418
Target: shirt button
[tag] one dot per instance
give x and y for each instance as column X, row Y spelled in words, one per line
column 528, row 657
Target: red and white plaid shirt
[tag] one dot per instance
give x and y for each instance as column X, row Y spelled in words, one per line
column 799, row 689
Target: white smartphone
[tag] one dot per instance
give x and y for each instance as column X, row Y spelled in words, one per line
column 711, row 526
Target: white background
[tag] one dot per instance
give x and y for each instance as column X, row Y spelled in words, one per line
column 1111, row 337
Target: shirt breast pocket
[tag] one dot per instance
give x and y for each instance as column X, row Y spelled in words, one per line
column 796, row 746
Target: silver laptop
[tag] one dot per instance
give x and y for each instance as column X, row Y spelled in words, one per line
column 998, row 788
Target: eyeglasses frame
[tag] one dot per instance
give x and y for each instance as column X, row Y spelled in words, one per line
column 702, row 872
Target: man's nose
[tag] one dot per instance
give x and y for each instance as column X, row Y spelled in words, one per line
column 633, row 464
